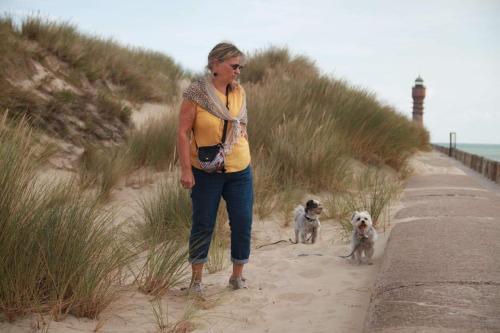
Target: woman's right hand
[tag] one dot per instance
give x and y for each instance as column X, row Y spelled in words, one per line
column 185, row 126
column 187, row 179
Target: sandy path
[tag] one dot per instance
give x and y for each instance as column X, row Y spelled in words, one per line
column 296, row 288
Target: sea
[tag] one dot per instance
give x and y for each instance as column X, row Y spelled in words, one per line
column 490, row 151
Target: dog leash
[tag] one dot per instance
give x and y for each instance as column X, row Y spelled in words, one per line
column 280, row 241
column 355, row 248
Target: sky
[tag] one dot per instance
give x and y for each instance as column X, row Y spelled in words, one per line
column 379, row 45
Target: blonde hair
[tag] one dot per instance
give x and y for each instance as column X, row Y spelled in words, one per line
column 221, row 52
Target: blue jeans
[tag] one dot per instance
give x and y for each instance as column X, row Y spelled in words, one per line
column 237, row 190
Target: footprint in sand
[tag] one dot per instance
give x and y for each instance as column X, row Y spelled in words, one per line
column 303, row 298
column 282, row 265
column 326, row 261
column 311, row 273
column 354, row 274
column 267, row 286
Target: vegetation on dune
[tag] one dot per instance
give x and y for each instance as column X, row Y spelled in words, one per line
column 218, row 254
column 152, row 145
column 144, row 75
column 288, row 93
column 73, row 85
column 58, row 250
column 311, row 126
column 161, row 232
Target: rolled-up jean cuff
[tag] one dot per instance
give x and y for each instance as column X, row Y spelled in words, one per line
column 198, row 261
column 239, row 261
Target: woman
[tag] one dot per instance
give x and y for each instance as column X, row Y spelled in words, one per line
column 214, row 111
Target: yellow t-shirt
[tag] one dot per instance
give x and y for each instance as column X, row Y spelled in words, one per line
column 208, row 132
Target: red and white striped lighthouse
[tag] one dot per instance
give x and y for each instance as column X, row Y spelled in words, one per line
column 418, row 94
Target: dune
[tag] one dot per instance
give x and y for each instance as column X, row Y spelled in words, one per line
column 149, row 112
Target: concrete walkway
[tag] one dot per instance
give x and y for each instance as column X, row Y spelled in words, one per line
column 441, row 269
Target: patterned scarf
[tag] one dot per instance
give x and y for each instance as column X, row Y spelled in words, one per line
column 203, row 93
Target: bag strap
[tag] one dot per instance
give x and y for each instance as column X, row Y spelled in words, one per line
column 224, row 130
column 223, row 140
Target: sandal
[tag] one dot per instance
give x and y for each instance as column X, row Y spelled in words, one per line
column 195, row 289
column 238, row 283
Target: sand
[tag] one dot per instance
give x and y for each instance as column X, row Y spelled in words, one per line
column 297, row 288
column 149, row 112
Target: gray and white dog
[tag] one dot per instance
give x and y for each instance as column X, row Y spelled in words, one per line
column 307, row 221
column 363, row 237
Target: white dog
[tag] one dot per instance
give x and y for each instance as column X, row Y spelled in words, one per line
column 307, row 221
column 363, row 236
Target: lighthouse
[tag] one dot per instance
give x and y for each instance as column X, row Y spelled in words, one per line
column 418, row 94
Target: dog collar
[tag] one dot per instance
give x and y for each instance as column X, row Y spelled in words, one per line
column 309, row 218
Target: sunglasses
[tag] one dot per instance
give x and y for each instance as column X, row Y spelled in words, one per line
column 236, row 66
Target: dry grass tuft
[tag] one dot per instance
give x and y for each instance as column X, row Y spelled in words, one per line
column 219, row 247
column 58, row 250
column 372, row 191
column 160, row 235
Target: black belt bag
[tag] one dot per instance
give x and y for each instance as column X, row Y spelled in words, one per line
column 209, row 153
column 211, row 158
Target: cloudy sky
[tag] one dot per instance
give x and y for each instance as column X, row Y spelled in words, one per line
column 381, row 45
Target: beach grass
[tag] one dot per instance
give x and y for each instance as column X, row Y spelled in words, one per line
column 218, row 258
column 183, row 325
column 160, row 234
column 77, row 86
column 145, row 75
column 150, row 146
column 160, row 315
column 154, row 143
column 372, row 190
column 289, row 198
column 59, row 251
column 165, row 266
column 165, row 213
column 310, row 126
column 323, row 111
column 102, row 168
column 265, row 188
